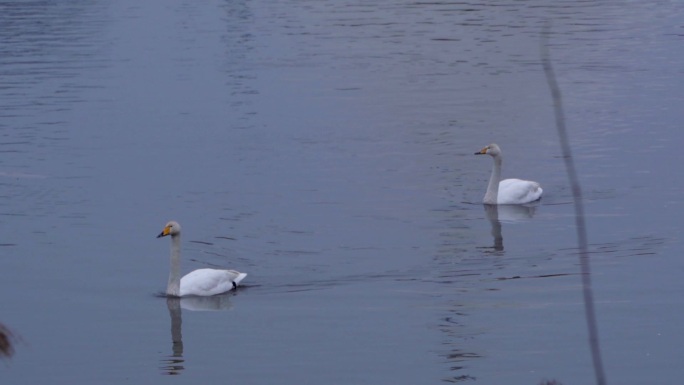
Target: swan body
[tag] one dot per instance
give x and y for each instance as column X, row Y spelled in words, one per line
column 507, row 191
column 200, row 282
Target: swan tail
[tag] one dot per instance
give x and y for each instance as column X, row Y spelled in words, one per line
column 239, row 278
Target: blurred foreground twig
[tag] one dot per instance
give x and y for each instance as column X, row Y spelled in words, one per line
column 579, row 209
column 6, row 342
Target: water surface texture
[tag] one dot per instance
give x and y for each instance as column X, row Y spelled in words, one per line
column 326, row 149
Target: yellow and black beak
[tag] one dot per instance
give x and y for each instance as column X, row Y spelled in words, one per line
column 483, row 151
column 164, row 232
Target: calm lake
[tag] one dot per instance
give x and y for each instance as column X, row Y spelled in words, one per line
column 326, row 149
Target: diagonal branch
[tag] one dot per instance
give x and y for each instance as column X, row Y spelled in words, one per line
column 579, row 208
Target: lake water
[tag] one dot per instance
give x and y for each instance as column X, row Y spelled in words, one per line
column 326, row 149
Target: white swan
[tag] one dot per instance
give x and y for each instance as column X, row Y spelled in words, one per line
column 507, row 191
column 202, row 282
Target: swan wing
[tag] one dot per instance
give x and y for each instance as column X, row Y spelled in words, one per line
column 206, row 282
column 518, row 191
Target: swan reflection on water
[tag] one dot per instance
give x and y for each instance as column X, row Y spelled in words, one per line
column 213, row 303
column 174, row 364
column 496, row 214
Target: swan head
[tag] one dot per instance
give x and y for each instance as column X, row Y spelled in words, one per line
column 491, row 150
column 172, row 228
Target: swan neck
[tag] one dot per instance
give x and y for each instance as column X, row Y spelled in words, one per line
column 173, row 287
column 493, row 187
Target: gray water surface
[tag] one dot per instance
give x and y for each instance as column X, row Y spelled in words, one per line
column 326, row 149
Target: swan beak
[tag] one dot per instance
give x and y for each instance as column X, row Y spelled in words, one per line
column 164, row 232
column 482, row 152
